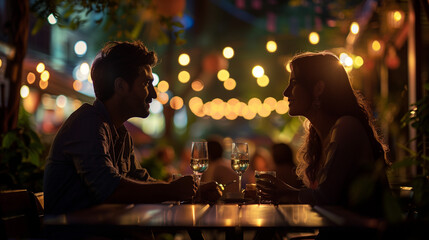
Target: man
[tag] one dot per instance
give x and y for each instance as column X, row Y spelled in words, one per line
column 91, row 160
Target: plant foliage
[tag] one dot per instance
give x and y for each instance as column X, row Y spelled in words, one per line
column 21, row 164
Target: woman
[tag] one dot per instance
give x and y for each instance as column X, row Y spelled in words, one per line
column 342, row 160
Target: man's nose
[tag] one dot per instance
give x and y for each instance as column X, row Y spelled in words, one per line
column 152, row 92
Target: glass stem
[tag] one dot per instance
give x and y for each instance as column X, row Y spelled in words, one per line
column 239, row 183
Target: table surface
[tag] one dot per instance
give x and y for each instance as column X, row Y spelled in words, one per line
column 220, row 216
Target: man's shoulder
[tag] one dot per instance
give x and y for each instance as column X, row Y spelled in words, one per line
column 86, row 113
column 85, row 119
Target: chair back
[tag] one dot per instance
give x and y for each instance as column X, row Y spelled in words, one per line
column 21, row 214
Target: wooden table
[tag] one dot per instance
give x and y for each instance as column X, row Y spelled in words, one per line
column 123, row 218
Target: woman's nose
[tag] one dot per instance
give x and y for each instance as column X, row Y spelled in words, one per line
column 286, row 92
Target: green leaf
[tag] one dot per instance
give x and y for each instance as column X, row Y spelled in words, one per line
column 8, row 139
column 38, row 25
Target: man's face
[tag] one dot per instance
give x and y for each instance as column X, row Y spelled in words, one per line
column 141, row 94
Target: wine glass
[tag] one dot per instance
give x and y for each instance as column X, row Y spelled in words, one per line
column 199, row 159
column 239, row 160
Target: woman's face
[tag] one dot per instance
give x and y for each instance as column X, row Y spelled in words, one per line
column 298, row 96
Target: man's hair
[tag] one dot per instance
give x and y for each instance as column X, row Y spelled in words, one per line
column 119, row 59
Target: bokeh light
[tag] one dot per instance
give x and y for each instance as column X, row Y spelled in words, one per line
column 397, row 15
column 228, row 52
column 40, row 67
column 61, row 101
column 376, row 45
column 80, row 48
column 25, row 91
column 197, row 85
column 84, row 68
column 254, row 104
column 258, row 71
column 271, row 102
column 282, row 107
column 263, row 81
column 184, row 76
column 31, row 78
column 156, row 107
column 163, row 86
column 223, row 75
column 176, row 103
column 184, row 59
column 52, row 19
column 196, row 106
column 271, row 46
column 229, row 84
column 358, row 62
column 43, row 84
column 288, row 69
column 44, row 76
column 346, row 60
column 354, row 28
column 313, row 37
column 163, row 97
column 265, row 110
column 155, row 79
column 77, row 85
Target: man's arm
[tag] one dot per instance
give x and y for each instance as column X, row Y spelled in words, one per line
column 130, row 191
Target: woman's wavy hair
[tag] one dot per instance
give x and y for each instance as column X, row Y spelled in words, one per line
column 338, row 99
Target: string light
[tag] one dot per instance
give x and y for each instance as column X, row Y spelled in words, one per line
column 40, row 67
column 197, row 85
column 223, row 75
column 31, row 78
column 313, row 37
column 44, row 76
column 52, row 19
column 229, row 84
column 163, row 86
column 228, row 52
column 184, row 59
column 25, row 91
column 271, row 46
column 184, row 76
column 354, row 28
column 258, row 71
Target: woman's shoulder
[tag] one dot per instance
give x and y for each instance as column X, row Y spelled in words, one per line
column 347, row 127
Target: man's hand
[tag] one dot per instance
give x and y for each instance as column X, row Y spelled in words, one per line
column 183, row 188
column 208, row 192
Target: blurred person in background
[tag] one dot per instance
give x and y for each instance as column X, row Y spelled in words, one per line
column 261, row 160
column 285, row 165
column 219, row 169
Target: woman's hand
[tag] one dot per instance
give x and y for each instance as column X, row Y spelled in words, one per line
column 208, row 192
column 274, row 189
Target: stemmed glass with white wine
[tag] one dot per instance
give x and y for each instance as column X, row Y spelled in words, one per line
column 199, row 159
column 239, row 160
